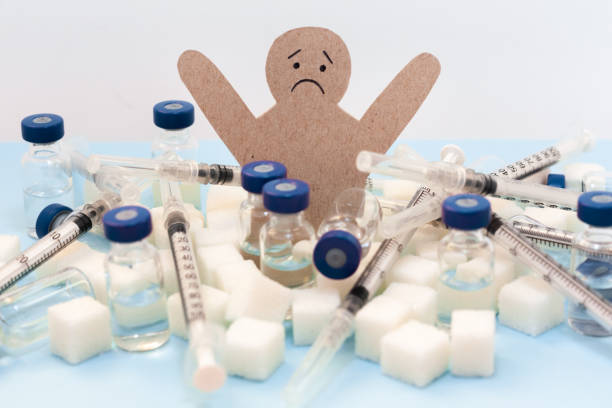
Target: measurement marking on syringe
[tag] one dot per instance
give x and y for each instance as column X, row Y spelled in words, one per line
column 188, row 276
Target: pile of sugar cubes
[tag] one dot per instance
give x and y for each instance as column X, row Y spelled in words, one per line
column 397, row 328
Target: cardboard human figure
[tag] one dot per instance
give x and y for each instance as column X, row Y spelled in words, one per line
column 308, row 72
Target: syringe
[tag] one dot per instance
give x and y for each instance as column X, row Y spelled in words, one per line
column 305, row 381
column 509, row 238
column 68, row 230
column 203, row 371
column 186, row 171
column 547, row 157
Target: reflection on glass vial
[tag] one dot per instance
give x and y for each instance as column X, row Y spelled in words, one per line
column 465, row 257
column 134, row 281
column 286, row 199
column 595, row 270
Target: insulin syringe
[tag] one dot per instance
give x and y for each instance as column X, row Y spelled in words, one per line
column 65, row 230
column 185, row 171
column 547, row 157
column 551, row 271
column 203, row 371
column 307, row 379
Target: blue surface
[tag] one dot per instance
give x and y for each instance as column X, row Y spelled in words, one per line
column 559, row 368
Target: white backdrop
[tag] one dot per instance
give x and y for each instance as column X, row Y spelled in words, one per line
column 521, row 69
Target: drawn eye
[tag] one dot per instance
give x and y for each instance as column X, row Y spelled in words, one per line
column 322, row 68
column 296, row 65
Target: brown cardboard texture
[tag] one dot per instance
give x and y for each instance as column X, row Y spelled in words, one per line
column 308, row 71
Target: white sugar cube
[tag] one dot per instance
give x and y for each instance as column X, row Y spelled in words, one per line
column 343, row 286
column 212, row 257
column 472, row 344
column 504, row 208
column 502, row 255
column 504, row 272
column 474, row 270
column 574, row 172
column 10, row 247
column 426, row 233
column 311, row 310
column 259, row 297
column 303, row 249
column 530, row 305
column 416, row 353
column 224, row 198
column 79, row 329
column 203, row 237
column 551, row 217
column 415, row 270
column 170, row 280
column 574, row 224
column 229, row 276
column 215, row 306
column 91, row 263
column 422, row 300
column 395, row 189
column 378, row 317
column 427, row 250
column 254, row 349
column 223, row 219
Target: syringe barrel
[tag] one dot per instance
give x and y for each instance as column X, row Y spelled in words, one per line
column 219, row 174
column 412, row 217
column 538, row 194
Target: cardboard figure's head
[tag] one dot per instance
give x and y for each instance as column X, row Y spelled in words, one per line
column 307, row 63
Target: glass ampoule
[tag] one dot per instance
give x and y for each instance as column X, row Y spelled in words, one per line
column 46, row 170
column 253, row 214
column 134, row 281
column 465, row 257
column 286, row 199
column 346, row 234
column 588, row 263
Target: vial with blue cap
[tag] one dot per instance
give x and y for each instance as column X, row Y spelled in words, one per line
column 46, row 170
column 134, row 281
column 589, row 263
column 465, row 257
column 346, row 233
column 175, row 141
column 286, row 200
column 253, row 214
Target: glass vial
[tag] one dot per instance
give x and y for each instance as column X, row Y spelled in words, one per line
column 46, row 170
column 175, row 142
column 134, row 281
column 465, row 257
column 346, row 234
column 286, row 199
column 253, row 214
column 588, row 263
column 23, row 309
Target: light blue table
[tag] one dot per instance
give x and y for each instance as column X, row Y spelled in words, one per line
column 558, row 368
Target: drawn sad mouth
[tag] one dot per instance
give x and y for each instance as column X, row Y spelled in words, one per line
column 308, row 80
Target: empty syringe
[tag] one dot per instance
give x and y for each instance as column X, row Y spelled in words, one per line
column 186, row 171
column 65, row 230
column 551, row 271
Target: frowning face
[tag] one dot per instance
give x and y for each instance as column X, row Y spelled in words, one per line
column 308, row 63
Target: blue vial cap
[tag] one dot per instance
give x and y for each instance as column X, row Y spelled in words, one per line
column 466, row 212
column 286, row 196
column 255, row 174
column 48, row 215
column 42, row 128
column 173, row 115
column 337, row 254
column 127, row 224
column 592, row 268
column 595, row 208
column 556, row 180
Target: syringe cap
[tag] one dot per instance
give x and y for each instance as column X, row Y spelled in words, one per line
column 466, row 212
column 47, row 217
column 556, row 180
column 126, row 224
column 595, row 208
column 337, row 254
column 173, row 114
column 286, row 196
column 42, row 128
column 255, row 174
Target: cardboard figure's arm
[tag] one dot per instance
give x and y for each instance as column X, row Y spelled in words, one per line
column 217, row 99
column 397, row 104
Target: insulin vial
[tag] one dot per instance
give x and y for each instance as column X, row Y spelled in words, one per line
column 134, row 281
column 346, row 234
column 253, row 214
column 594, row 209
column 175, row 142
column 46, row 170
column 465, row 257
column 286, row 199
